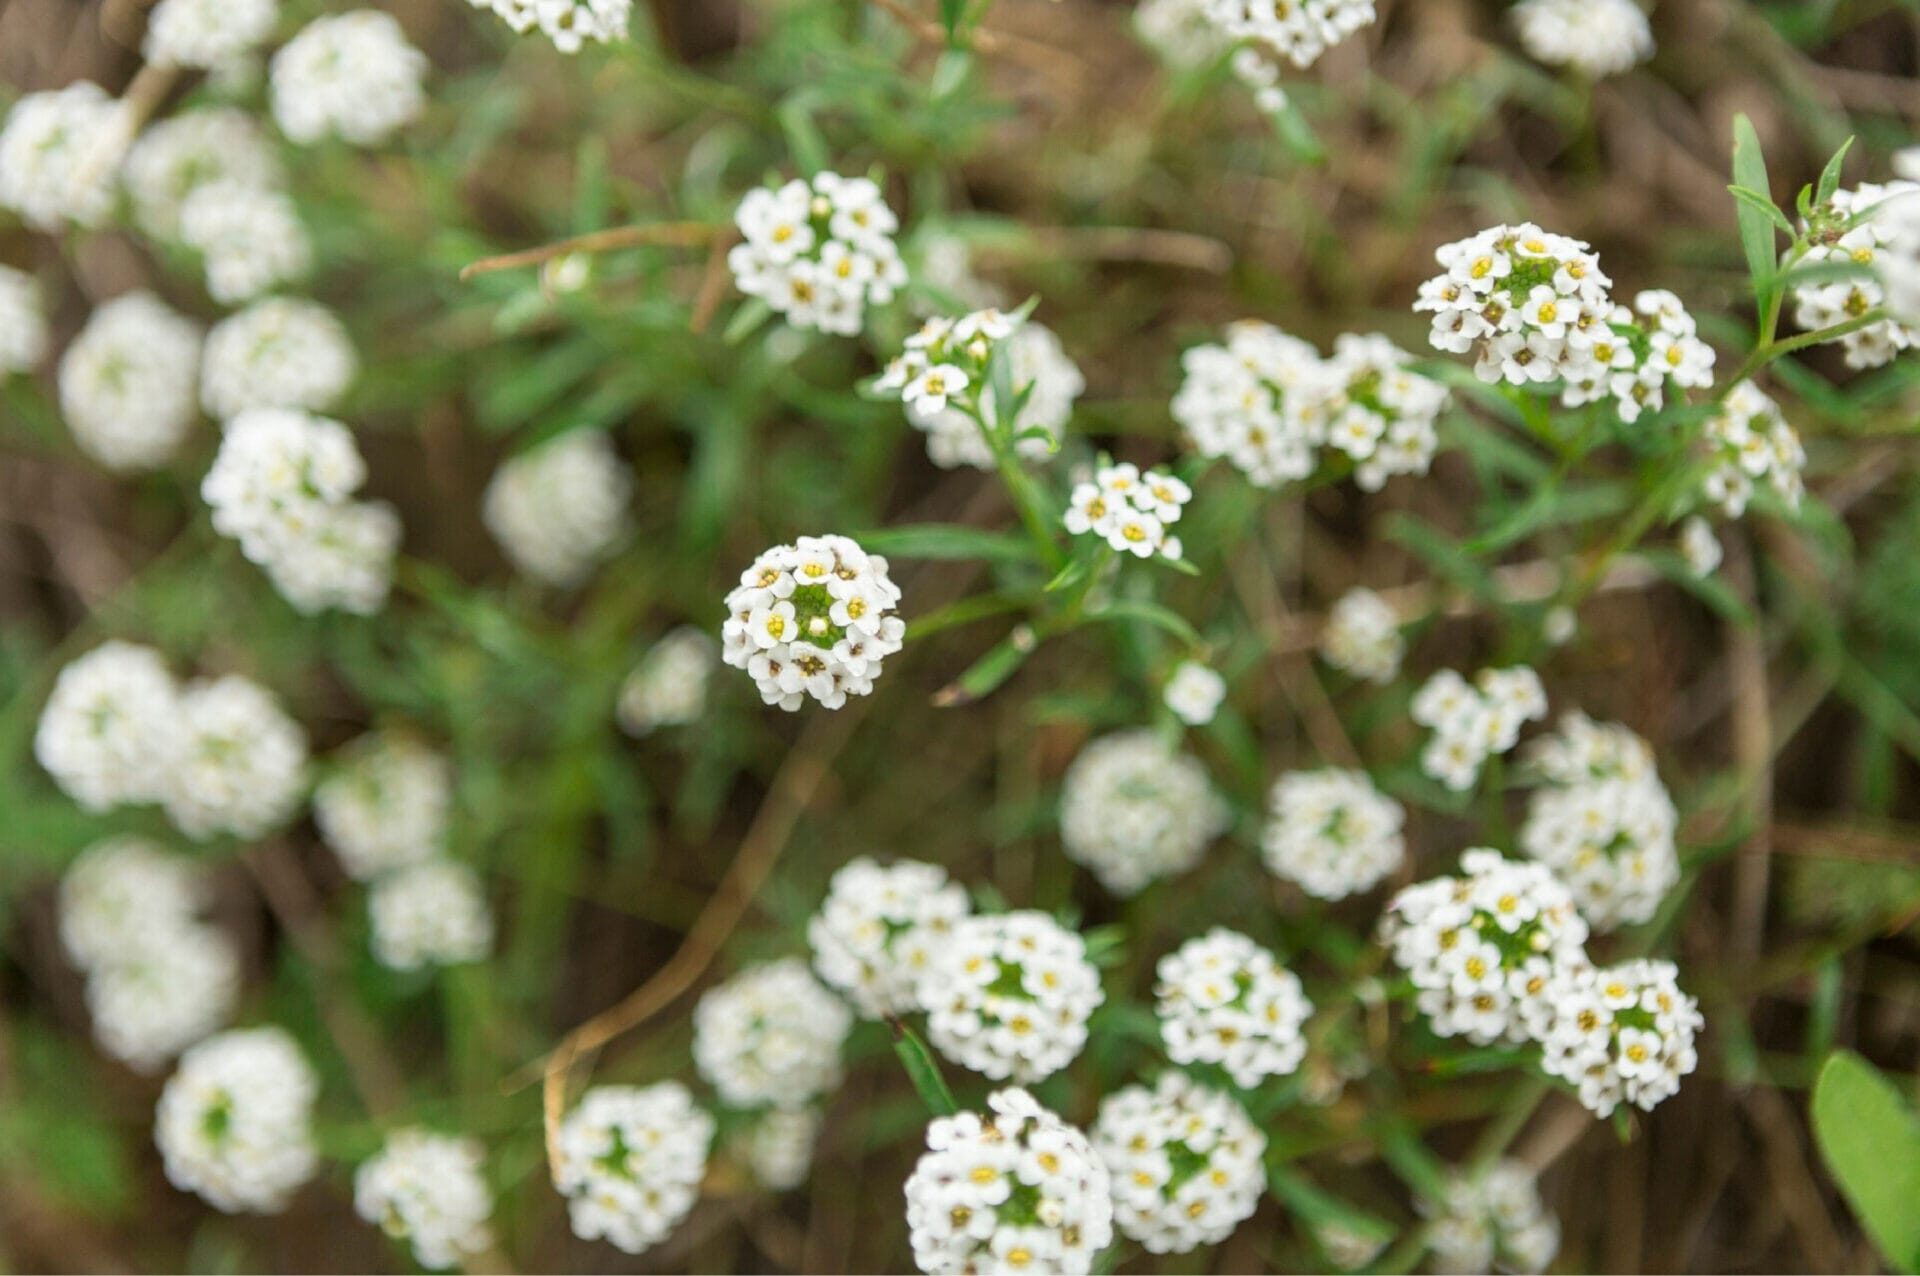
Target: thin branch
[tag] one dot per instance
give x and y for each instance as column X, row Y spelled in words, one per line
column 669, row 234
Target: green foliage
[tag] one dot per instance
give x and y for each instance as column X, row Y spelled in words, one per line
column 1869, row 1135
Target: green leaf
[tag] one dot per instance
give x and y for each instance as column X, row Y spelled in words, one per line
column 952, row 13
column 946, row 542
column 1870, row 1138
column 923, row 1070
column 1153, row 614
column 1765, row 204
column 1756, row 227
column 1830, row 175
column 809, row 149
column 986, row 674
column 746, row 321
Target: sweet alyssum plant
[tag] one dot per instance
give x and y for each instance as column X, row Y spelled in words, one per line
column 1540, row 950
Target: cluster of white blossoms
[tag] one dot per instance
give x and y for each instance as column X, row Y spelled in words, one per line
column 1473, row 721
column 205, row 34
column 1699, row 546
column 1009, row 995
column 1880, row 210
column 1223, row 999
column 668, row 688
column 59, row 152
column 1482, row 949
column 878, row 929
column 350, row 75
column 778, row 1147
column 944, row 377
column 1620, row 1034
column 1133, row 809
column 219, row 755
column 429, row 1190
column 1185, row 1162
column 1493, row 1222
column 282, row 486
column 559, row 508
column 1535, row 307
column 249, row 238
column 1749, row 437
column 1297, row 30
column 127, row 382
column 158, row 977
column 1015, row 1189
column 1182, row 32
column 1131, row 511
column 241, row 764
column 430, row 914
column 1362, row 636
column 1897, row 256
column 280, row 352
column 819, row 252
column 1602, row 821
column 568, row 23
column 1332, row 832
column 385, row 804
column 1194, row 693
column 234, row 1121
column 814, row 618
column 1597, row 38
column 177, row 156
column 770, row 1036
column 630, row 1162
column 23, row 322
column 1267, row 402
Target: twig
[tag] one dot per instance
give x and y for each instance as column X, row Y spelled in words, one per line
column 670, row 234
column 1753, row 751
column 713, row 283
column 1015, row 48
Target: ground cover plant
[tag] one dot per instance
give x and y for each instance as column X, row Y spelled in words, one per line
column 987, row 635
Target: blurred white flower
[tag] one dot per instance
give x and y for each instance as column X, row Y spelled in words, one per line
column 433, row 913
column 1134, row 810
column 59, row 153
column 428, row 1190
column 558, row 508
column 233, row 1123
column 630, row 1162
column 240, row 762
column 385, row 804
column 207, row 33
column 127, row 382
column 353, row 75
column 177, row 156
column 770, row 1036
column 1595, row 37
column 878, row 929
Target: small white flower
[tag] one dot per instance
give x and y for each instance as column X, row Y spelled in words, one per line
column 1749, row 438
column 630, row 1162
column 282, row 352
column 1134, row 810
column 108, row 733
column 1595, row 37
column 1009, row 995
column 1362, row 637
column 239, row 762
column 1332, row 832
column 1185, row 1162
column 178, row 155
column 669, row 685
column 430, row 914
column 1131, row 511
column 1883, row 210
column 1699, row 546
column 1224, row 1000
column 127, row 382
column 353, row 75
column 559, row 508
column 250, row 239
column 233, row 1123
column 1493, row 1221
column 384, row 804
column 23, row 322
column 1194, row 693
column 59, row 151
column 813, row 619
column 1624, row 1034
column 430, row 1191
column 208, row 33
column 770, row 1036
column 819, row 252
column 1474, row 721
column 568, row 23
column 878, row 929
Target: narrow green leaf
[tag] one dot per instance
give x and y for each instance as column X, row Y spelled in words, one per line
column 1870, row 1139
column 1765, row 205
column 746, row 321
column 986, row 674
column 1756, row 227
column 1830, row 175
column 946, row 542
column 923, row 1070
column 1153, row 614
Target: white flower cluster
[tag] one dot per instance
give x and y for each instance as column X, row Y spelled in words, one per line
column 1362, row 637
column 1699, row 546
column 1623, row 1034
column 430, row 914
column 1332, row 832
column 282, row 485
column 1483, row 948
column 1016, row 1189
column 220, row 755
column 429, row 1190
column 158, row 977
column 1750, row 438
column 568, row 23
column 351, row 75
column 559, row 507
column 1492, row 1222
column 1297, row 30
column 177, row 156
column 1602, row 821
column 1009, row 995
column 1597, row 38
column 205, row 34
column 1473, row 721
column 1185, row 1162
column 1129, row 510
column 630, row 1162
column 127, row 382
column 1194, row 693
column 878, row 929
column 281, row 352
column 1267, row 402
column 59, row 151
column 819, row 252
column 668, row 688
column 943, row 378
column 778, row 1146
column 1182, row 32
column 770, row 1036
column 1536, row 308
column 23, row 322
column 249, row 237
column 1880, row 210
column 233, row 1123
column 385, row 805
column 814, row 618
column 1223, row 999
column 1897, row 259
column 1133, row 809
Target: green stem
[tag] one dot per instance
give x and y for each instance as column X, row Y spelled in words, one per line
column 1024, row 493
column 1769, row 350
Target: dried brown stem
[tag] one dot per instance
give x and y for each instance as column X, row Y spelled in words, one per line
column 665, row 234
